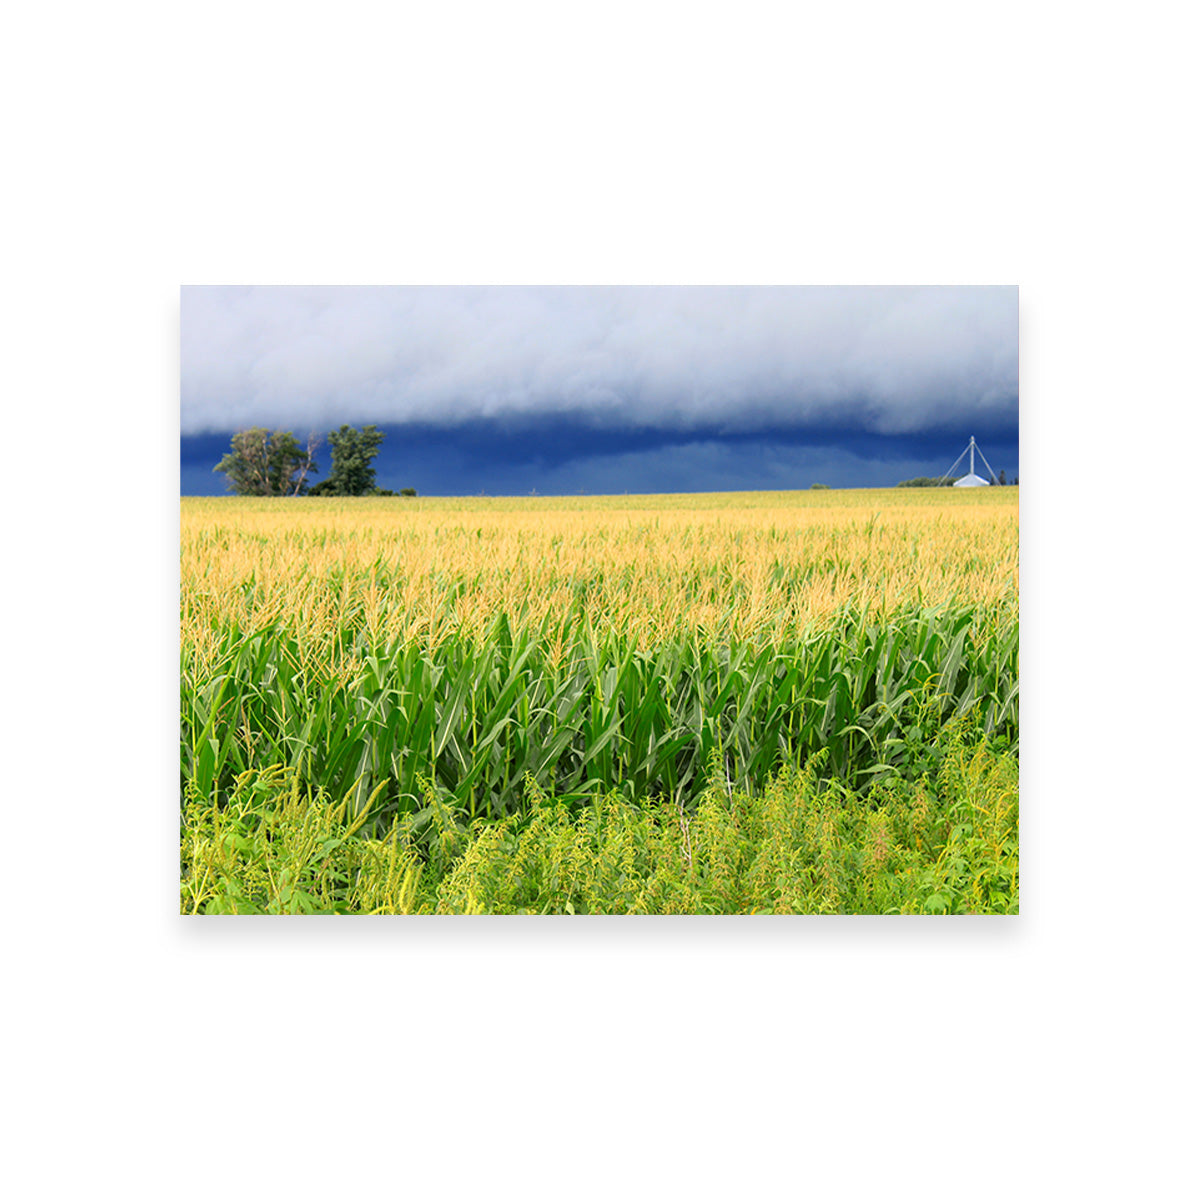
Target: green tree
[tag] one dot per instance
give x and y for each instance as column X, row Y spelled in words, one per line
column 262, row 463
column 926, row 481
column 351, row 473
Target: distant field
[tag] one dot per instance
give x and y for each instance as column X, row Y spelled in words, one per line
column 470, row 685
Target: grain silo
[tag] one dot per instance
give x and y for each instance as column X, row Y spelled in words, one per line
column 970, row 479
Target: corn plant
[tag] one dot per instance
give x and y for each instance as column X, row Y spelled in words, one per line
column 434, row 664
column 477, row 717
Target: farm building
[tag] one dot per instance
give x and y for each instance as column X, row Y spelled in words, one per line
column 970, row 479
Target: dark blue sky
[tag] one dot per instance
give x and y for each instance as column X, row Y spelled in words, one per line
column 558, row 458
column 609, row 390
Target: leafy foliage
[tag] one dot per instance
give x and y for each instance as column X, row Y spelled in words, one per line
column 351, row 474
column 262, row 463
column 583, row 712
column 941, row 844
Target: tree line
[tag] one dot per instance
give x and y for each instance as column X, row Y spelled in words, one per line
column 263, row 462
column 1000, row 480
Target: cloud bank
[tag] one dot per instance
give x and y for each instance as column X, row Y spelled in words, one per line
column 720, row 360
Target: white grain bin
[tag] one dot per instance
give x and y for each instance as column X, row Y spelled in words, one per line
column 970, row 479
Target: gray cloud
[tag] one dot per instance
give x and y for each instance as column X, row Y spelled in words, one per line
column 887, row 360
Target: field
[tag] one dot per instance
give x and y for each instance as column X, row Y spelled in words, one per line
column 750, row 702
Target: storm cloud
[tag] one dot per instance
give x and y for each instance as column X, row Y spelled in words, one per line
column 716, row 360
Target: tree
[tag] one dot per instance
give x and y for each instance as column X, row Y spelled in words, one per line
column 262, row 463
column 351, row 473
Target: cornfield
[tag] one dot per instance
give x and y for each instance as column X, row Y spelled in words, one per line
column 424, row 665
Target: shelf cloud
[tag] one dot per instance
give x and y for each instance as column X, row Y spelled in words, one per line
column 702, row 361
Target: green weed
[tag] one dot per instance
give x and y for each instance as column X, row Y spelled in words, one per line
column 805, row 843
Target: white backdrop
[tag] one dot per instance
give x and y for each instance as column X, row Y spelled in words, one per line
column 1031, row 143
